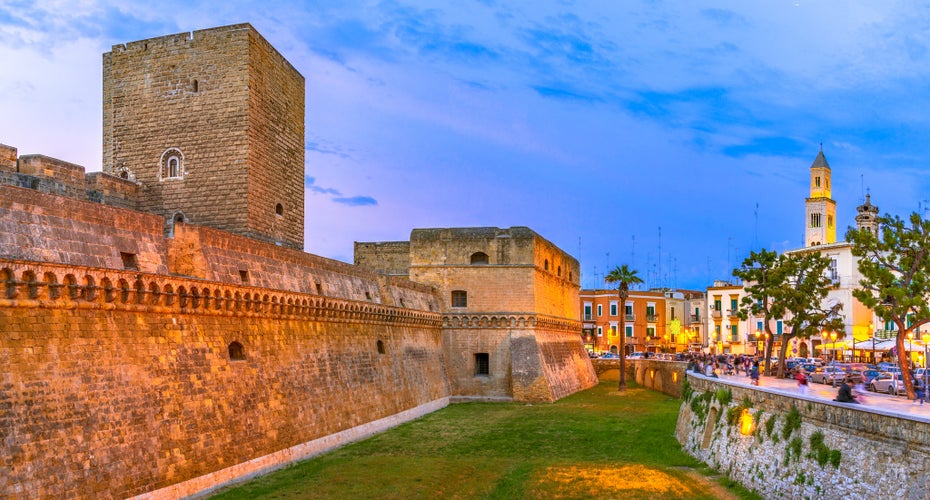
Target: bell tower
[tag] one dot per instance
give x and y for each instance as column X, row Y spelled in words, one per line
column 820, row 212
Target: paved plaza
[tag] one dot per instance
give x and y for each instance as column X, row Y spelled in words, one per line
column 874, row 402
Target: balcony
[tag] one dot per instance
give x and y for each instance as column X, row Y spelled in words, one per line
column 717, row 314
column 651, row 318
column 733, row 312
column 588, row 317
column 630, row 317
column 695, row 318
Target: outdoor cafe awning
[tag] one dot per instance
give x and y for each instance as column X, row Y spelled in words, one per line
column 880, row 345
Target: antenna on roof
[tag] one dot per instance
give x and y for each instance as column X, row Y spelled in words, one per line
column 821, row 146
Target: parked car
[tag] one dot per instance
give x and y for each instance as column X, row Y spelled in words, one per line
column 865, row 376
column 827, row 374
column 887, row 382
column 637, row 355
column 610, row 355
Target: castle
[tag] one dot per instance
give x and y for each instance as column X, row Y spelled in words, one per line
column 163, row 332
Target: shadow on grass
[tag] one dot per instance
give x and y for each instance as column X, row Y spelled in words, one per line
column 588, row 445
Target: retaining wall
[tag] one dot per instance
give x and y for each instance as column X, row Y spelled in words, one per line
column 792, row 446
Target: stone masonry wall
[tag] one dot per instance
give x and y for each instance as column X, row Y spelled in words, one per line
column 42, row 227
column 233, row 108
column 127, row 384
column 790, row 446
column 531, row 357
column 220, row 256
column 387, row 257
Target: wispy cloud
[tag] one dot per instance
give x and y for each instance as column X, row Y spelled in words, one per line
column 336, row 195
column 356, row 201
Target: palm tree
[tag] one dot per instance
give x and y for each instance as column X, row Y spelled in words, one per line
column 623, row 277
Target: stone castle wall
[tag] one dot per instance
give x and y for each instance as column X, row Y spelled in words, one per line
column 40, row 227
column 386, row 257
column 531, row 357
column 120, row 382
column 54, row 176
column 829, row 450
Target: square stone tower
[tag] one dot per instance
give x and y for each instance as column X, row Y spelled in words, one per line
column 211, row 125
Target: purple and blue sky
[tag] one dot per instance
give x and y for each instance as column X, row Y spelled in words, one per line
column 594, row 123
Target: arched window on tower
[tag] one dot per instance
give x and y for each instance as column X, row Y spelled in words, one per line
column 172, row 164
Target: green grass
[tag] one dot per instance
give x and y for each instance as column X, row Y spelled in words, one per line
column 593, row 444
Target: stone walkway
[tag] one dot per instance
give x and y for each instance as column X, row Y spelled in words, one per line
column 874, row 402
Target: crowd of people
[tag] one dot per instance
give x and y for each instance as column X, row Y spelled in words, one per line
column 714, row 365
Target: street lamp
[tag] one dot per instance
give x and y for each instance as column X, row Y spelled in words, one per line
column 872, row 331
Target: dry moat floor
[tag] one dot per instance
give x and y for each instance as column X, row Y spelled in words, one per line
column 594, row 444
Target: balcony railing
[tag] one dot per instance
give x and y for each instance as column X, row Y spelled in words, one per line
column 695, row 318
column 651, row 318
column 588, row 317
column 717, row 314
column 630, row 317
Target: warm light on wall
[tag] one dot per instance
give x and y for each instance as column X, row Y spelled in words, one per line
column 746, row 423
column 674, row 376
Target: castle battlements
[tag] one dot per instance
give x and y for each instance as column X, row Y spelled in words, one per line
column 53, row 176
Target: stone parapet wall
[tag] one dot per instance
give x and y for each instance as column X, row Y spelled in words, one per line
column 221, row 256
column 41, row 227
column 830, row 450
column 663, row 376
column 118, row 383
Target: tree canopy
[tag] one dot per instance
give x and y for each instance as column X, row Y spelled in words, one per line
column 896, row 277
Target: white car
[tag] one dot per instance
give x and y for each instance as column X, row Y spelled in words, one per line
column 887, row 382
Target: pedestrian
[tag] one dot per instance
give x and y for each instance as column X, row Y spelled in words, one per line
column 710, row 370
column 754, row 373
column 845, row 393
column 860, row 390
column 801, row 377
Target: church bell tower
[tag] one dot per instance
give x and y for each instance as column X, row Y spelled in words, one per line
column 820, row 210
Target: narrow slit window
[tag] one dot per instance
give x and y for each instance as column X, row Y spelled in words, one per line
column 244, row 276
column 380, row 347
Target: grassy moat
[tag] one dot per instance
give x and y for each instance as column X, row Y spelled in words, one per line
column 593, row 444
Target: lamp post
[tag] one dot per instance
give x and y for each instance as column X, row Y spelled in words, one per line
column 872, row 331
column 907, row 352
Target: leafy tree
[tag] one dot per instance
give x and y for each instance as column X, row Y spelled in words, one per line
column 622, row 277
column 763, row 281
column 800, row 298
column 896, row 277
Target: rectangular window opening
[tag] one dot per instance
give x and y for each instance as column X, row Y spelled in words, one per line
column 129, row 261
column 244, row 276
column 482, row 364
column 459, row 298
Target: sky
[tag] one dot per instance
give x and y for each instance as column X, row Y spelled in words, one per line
column 672, row 136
